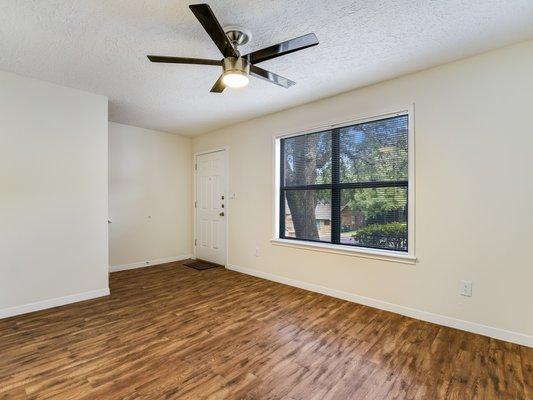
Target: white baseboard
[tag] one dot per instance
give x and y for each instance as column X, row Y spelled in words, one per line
column 496, row 333
column 56, row 302
column 149, row 263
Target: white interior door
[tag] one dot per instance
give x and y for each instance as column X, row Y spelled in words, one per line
column 211, row 206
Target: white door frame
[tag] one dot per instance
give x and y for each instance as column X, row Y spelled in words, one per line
column 227, row 206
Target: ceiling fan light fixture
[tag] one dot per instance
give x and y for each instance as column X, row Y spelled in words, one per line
column 235, row 79
column 236, row 71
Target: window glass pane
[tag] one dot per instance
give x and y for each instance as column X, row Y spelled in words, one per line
column 374, row 217
column 374, row 151
column 308, row 214
column 307, row 159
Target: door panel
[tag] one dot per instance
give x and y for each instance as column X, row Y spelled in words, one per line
column 211, row 172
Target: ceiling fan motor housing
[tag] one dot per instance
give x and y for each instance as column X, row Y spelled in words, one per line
column 236, row 65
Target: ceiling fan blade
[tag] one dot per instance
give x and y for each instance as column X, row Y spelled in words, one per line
column 183, row 60
column 218, row 87
column 208, row 20
column 280, row 49
column 271, row 77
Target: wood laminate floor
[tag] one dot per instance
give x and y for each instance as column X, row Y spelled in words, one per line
column 171, row 332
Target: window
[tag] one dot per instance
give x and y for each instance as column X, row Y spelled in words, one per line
column 347, row 185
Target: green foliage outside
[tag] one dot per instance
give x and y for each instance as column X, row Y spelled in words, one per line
column 376, row 204
column 392, row 235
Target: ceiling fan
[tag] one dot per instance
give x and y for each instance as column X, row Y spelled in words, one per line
column 236, row 67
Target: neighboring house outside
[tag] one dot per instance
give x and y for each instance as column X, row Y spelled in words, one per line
column 350, row 220
column 323, row 219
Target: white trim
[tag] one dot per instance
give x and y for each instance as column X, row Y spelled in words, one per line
column 226, row 204
column 496, row 333
column 215, row 150
column 389, row 255
column 411, row 203
column 275, row 202
column 149, row 263
column 50, row 303
column 363, row 252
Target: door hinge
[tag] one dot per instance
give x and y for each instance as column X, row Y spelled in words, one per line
column 195, row 204
column 196, row 167
column 195, row 242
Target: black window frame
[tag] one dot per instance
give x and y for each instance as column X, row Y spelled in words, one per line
column 336, row 186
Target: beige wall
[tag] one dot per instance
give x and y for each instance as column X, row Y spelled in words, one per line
column 474, row 193
column 150, row 192
column 53, row 195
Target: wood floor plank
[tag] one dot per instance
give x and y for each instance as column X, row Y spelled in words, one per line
column 171, row 332
column 527, row 370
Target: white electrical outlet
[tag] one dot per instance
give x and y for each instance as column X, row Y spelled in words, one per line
column 465, row 288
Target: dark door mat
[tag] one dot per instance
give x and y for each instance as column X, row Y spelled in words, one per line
column 201, row 264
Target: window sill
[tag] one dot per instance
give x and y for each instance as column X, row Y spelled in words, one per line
column 394, row 256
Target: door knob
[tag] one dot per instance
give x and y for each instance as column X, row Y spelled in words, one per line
column 221, row 214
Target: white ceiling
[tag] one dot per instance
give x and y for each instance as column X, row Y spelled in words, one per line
column 101, row 46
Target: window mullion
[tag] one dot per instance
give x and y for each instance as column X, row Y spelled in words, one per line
column 335, row 191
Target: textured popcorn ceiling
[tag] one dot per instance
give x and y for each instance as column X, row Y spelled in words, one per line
column 101, row 46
